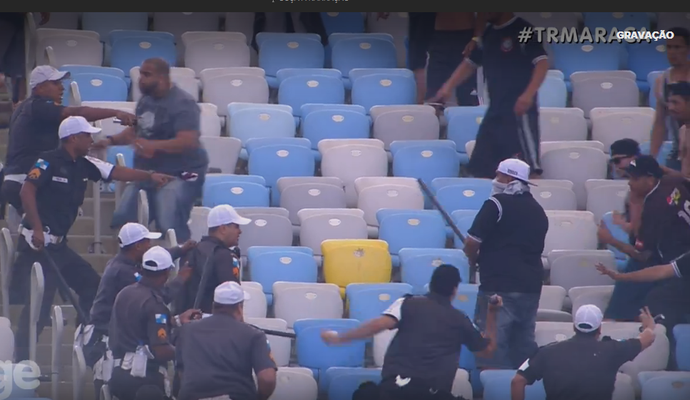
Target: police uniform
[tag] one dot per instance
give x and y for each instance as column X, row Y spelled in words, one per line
column 120, row 272
column 424, row 354
column 60, row 182
column 508, row 66
column 33, row 130
column 583, row 367
column 140, row 321
column 223, row 262
column 218, row 354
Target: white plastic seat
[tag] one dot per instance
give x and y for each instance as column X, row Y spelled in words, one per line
column 555, row 198
column 223, row 152
column 633, row 124
column 576, row 165
column 596, row 295
column 556, row 125
column 606, row 195
column 281, row 347
column 577, row 268
column 225, row 89
column 256, row 306
column 293, row 301
column 352, row 161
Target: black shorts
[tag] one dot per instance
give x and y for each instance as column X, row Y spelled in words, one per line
column 505, row 136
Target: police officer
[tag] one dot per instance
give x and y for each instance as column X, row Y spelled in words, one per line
column 230, row 347
column 34, row 126
column 507, row 240
column 52, row 194
column 120, row 272
column 582, row 367
column 140, row 330
column 422, row 359
column 214, row 253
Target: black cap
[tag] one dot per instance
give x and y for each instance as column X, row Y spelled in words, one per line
column 645, row 166
column 625, row 147
column 679, row 88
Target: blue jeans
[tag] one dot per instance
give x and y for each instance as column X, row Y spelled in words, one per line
column 628, row 297
column 515, row 324
column 170, row 206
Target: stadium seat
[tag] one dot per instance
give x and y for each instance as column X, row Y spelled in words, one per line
column 268, row 268
column 109, row 126
column 555, row 198
column 395, row 25
column 143, row 35
column 651, row 81
column 210, row 122
column 333, row 124
column 310, row 108
column 216, row 52
column 391, row 196
column 552, row 297
column 382, row 89
column 619, row 234
column 631, row 123
column 277, row 161
column 293, row 301
column 575, row 268
column 463, row 125
column 606, row 195
column 96, row 87
column 281, row 347
column 417, row 265
column 257, row 143
column 497, row 386
column 261, row 123
column 69, row 47
column 549, row 332
column 294, row 382
column 130, row 52
column 289, row 51
column 666, row 387
column 405, row 125
column 178, row 23
column 596, row 295
column 316, row 355
column 310, row 89
column 265, row 230
column 360, row 52
column 553, row 93
column 440, row 183
column 619, row 20
column 369, row 300
column 313, row 196
column 571, row 58
column 664, row 151
column 341, row 382
column 604, row 92
column 682, row 334
column 223, row 152
column 645, row 58
column 318, row 225
column 576, row 164
column 285, row 73
column 89, row 69
column 342, row 22
column 410, row 229
column 469, row 196
column 222, row 90
column 105, row 22
column 570, row 230
column 237, row 194
column 426, row 160
column 347, row 261
column 255, row 306
column 236, row 107
column 556, row 124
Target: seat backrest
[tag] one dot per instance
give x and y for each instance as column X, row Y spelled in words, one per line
column 266, row 230
column 555, row 125
column 317, row 228
column 290, row 52
column 374, row 198
column 311, row 195
column 605, row 92
column 383, row 89
column 223, row 152
column 303, row 89
column 260, row 123
column 367, row 52
column 225, row 89
column 405, row 125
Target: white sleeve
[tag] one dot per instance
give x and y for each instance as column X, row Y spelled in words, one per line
column 104, row 167
column 395, row 309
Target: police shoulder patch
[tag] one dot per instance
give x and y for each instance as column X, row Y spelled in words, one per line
column 162, row 334
column 34, row 174
column 42, row 164
column 161, row 319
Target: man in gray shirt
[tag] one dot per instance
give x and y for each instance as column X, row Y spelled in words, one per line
column 166, row 139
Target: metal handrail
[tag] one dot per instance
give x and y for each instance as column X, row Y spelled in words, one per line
column 35, row 302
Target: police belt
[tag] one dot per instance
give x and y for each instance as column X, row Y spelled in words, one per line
column 117, row 363
column 401, row 382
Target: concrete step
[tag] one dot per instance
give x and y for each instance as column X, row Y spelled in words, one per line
column 65, row 371
column 107, row 207
column 44, row 354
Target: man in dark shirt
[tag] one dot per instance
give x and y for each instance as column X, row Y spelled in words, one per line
column 514, row 72
column 224, row 344
column 506, row 239
column 166, row 139
column 52, row 194
column 141, row 323
column 678, row 105
column 422, row 359
column 583, row 367
column 34, row 127
column 214, row 253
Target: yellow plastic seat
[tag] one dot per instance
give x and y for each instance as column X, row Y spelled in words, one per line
column 355, row 261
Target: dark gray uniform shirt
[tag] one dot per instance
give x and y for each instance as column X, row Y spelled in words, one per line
column 217, row 356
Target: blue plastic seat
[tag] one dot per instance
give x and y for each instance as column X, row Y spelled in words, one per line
column 266, row 122
column 383, row 90
column 310, row 108
column 236, row 194
column 118, row 34
column 667, row 387
column 463, row 223
column 682, row 334
column 411, row 229
column 285, row 73
column 466, row 299
column 286, row 266
column 360, row 72
column 90, row 69
column 341, row 383
column 463, row 197
column 439, row 183
column 261, row 37
column 256, row 251
column 105, row 22
column 644, row 58
column 309, row 89
column 417, row 265
column 255, row 143
column 403, row 144
column 126, row 151
column 342, row 22
column 553, row 93
column 619, row 234
column 618, row 20
column 220, row 178
column 426, row 161
column 463, row 126
column 497, row 386
column 289, row 52
column 369, row 300
column 664, row 151
column 277, row 161
column 97, row 87
column 571, row 58
column 316, row 355
column 130, row 52
column 334, row 124
column 651, row 81
column 354, row 53
column 334, row 38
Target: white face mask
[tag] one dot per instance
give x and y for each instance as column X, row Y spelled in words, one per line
column 498, row 187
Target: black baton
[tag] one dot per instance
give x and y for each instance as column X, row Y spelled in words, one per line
column 205, row 272
column 271, row 332
column 65, row 291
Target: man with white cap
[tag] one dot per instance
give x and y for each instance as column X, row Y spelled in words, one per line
column 34, row 126
column 140, row 329
column 52, row 194
column 218, row 254
column 582, row 367
column 506, row 241
column 230, row 347
column 120, row 272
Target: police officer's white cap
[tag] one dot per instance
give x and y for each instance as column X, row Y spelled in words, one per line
column 75, row 125
column 225, row 215
column 132, row 232
column 46, row 73
column 157, row 259
column 229, row 293
column 518, row 169
column 588, row 318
